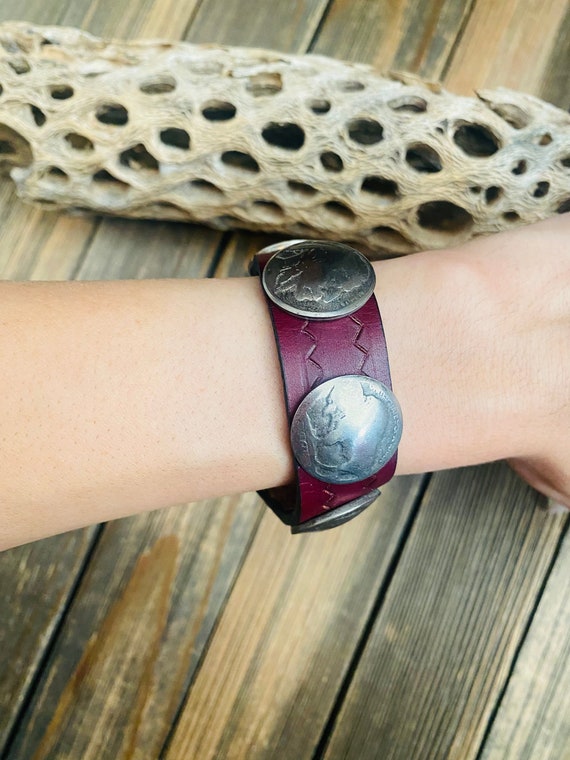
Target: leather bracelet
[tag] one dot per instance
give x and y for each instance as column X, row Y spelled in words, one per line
column 344, row 420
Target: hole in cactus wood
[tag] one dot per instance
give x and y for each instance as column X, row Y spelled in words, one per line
column 541, row 189
column 15, row 150
column 545, row 139
column 423, row 158
column 226, row 222
column 332, row 162
column 365, row 131
column 10, row 46
column 270, row 211
column 391, row 239
column 319, row 107
column 301, row 187
column 385, row 188
column 38, row 116
column 444, row 216
column 218, row 110
column 492, row 194
column 513, row 115
column 350, row 85
column 286, row 135
column 340, row 210
column 19, row 65
column 564, row 207
column 158, row 85
column 175, row 137
column 139, row 159
column 103, row 177
column 520, row 167
column 61, row 91
column 264, row 83
column 206, row 190
column 238, row 160
column 566, row 162
column 409, row 104
column 303, row 230
column 1, row 89
column 112, row 113
column 476, row 140
column 56, row 173
column 78, row 142
column 511, row 216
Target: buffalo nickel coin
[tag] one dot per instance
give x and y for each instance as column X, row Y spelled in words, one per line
column 318, row 279
column 346, row 429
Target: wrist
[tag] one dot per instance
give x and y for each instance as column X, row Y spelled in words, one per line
column 451, row 362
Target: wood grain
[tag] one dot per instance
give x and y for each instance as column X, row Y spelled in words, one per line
column 555, row 87
column 506, row 44
column 284, row 642
column 533, row 720
column 413, row 35
column 134, row 636
column 36, row 583
column 457, row 607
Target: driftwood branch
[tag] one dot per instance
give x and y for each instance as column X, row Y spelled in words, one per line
column 302, row 145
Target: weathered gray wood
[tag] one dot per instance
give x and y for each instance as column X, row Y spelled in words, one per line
column 135, row 633
column 125, row 250
column 285, row 638
column 457, row 607
column 402, row 36
column 533, row 720
column 35, row 585
column 506, row 44
column 144, row 18
column 555, row 87
column 281, row 26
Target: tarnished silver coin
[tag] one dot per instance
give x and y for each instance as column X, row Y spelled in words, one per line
column 318, row 279
column 274, row 247
column 346, row 429
column 338, row 515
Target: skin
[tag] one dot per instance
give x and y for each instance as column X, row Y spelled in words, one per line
column 125, row 396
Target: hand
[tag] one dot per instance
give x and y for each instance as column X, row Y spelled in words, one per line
column 479, row 345
column 546, row 328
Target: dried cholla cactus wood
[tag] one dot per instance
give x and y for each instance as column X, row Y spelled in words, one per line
column 302, row 145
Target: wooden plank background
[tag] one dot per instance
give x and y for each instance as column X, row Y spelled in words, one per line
column 433, row 626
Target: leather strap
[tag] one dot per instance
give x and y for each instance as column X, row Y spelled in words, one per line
column 310, row 352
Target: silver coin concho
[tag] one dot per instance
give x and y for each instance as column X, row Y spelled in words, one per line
column 346, row 429
column 318, row 279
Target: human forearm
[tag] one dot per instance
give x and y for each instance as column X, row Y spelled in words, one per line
column 131, row 395
column 498, row 331
column 125, row 396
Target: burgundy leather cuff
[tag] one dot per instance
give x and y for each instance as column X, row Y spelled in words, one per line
column 345, row 432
